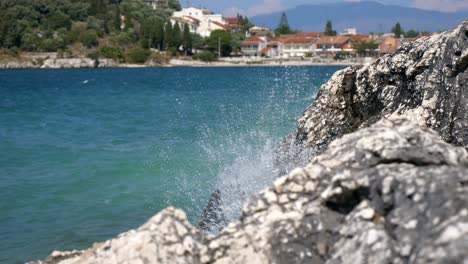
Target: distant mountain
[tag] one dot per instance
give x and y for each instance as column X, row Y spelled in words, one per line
column 365, row 16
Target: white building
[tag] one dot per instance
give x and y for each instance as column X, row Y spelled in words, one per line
column 254, row 46
column 204, row 21
column 298, row 47
column 157, row 3
column 349, row 32
column 192, row 22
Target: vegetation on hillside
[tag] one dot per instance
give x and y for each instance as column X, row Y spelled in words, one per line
column 283, row 26
column 329, row 29
column 116, row 29
column 123, row 30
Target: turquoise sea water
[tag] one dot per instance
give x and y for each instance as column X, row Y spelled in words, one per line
column 88, row 154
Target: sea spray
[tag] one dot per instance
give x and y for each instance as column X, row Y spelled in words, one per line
column 240, row 149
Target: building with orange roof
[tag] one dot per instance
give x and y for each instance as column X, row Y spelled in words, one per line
column 360, row 37
column 389, row 45
column 309, row 35
column 297, row 47
column 332, row 45
column 233, row 23
column 254, row 46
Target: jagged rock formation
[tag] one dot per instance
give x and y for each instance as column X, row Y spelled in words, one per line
column 391, row 193
column 213, row 217
column 426, row 80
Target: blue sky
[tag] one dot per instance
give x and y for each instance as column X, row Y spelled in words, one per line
column 255, row 7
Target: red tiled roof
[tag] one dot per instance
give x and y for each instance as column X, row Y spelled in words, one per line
column 265, row 50
column 253, row 40
column 332, row 40
column 279, row 39
column 297, row 41
column 220, row 25
column 309, row 34
column 359, row 37
column 232, row 20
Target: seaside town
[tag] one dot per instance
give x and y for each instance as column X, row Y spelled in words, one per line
column 161, row 32
column 285, row 43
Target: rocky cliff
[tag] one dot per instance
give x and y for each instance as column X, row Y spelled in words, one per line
column 388, row 191
column 425, row 80
column 391, row 193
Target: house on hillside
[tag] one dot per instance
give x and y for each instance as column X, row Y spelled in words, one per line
column 260, row 31
column 192, row 22
column 209, row 26
column 254, row 46
column 203, row 21
column 329, row 46
column 157, row 3
column 297, row 47
column 360, row 37
column 233, row 23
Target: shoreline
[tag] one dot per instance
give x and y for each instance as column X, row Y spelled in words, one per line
column 86, row 63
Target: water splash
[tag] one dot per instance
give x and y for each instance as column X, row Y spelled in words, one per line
column 240, row 149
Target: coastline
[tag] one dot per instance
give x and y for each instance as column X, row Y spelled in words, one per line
column 86, row 63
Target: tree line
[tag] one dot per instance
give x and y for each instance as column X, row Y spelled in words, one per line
column 124, row 30
column 51, row 25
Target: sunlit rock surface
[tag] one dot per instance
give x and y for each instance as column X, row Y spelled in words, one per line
column 391, row 193
column 426, row 81
column 388, row 191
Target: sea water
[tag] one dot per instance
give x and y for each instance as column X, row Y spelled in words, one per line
column 87, row 154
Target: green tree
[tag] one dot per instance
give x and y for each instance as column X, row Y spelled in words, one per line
column 205, row 56
column 244, row 21
column 112, row 53
column 168, row 35
column 365, row 47
column 236, row 41
column 175, row 5
column 198, row 42
column 159, row 29
column 187, row 40
column 149, row 32
column 33, row 25
column 176, row 36
column 329, row 29
column 220, row 39
column 398, row 30
column 283, row 27
column 89, row 38
column 137, row 54
column 30, row 40
column 411, row 33
column 58, row 20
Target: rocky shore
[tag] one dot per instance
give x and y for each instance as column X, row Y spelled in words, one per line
column 67, row 63
column 386, row 179
column 44, row 62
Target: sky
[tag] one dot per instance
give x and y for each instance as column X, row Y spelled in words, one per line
column 258, row 7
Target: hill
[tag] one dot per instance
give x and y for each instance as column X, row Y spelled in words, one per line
column 366, row 16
